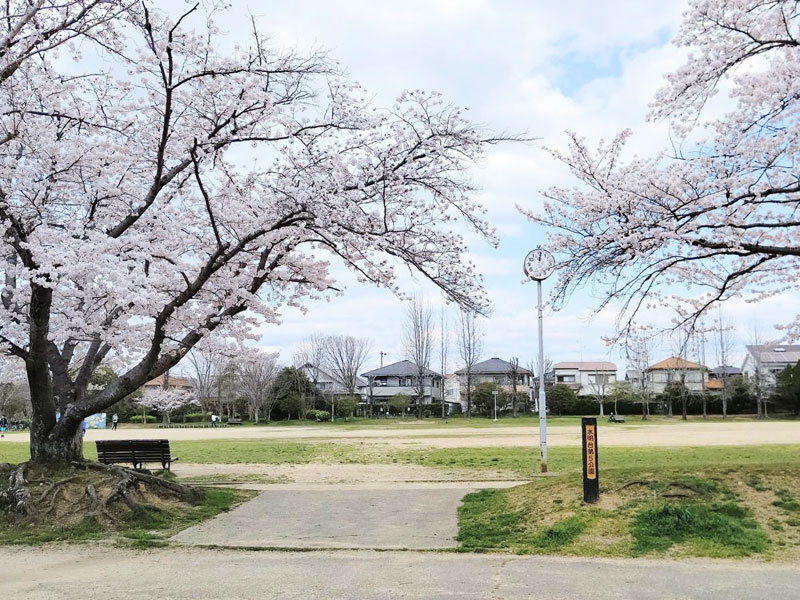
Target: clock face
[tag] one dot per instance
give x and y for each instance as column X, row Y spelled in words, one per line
column 539, row 264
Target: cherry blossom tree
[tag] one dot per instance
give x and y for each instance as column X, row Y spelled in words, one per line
column 163, row 192
column 167, row 401
column 716, row 218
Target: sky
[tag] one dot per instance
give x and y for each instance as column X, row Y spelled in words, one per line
column 539, row 68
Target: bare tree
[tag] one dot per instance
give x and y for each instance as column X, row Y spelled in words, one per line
column 418, row 344
column 598, row 387
column 312, row 353
column 344, row 357
column 254, row 380
column 470, row 347
column 723, row 345
column 543, row 370
column 637, row 352
column 514, row 372
column 444, row 350
column 759, row 385
column 207, row 363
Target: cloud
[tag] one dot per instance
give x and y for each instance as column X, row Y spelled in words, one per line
column 519, row 66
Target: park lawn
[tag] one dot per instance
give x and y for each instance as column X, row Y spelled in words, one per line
column 523, row 461
column 679, row 511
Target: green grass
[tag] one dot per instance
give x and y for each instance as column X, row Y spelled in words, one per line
column 144, row 528
column 681, row 514
column 522, row 461
column 786, row 501
column 525, row 461
column 721, row 530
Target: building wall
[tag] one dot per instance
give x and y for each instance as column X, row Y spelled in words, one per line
column 694, row 379
column 383, row 388
column 586, row 383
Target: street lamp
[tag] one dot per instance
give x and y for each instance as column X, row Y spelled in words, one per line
column 539, row 265
column 494, row 393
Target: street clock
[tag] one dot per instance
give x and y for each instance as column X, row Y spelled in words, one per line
column 539, row 264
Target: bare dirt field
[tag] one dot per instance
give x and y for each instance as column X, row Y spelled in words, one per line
column 670, row 433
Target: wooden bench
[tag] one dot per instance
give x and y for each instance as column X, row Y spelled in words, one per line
column 136, row 452
column 616, row 419
column 234, row 421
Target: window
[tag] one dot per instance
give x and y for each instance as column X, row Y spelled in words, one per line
column 565, row 378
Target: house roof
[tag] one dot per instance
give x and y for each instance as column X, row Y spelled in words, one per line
column 178, row 382
column 775, row 353
column 726, row 370
column 404, row 368
column 597, row 365
column 493, row 365
column 675, row 362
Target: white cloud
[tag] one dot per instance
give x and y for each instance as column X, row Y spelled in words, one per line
column 520, row 66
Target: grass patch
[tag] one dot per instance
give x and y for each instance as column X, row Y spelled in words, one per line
column 525, row 461
column 786, row 501
column 677, row 513
column 721, row 531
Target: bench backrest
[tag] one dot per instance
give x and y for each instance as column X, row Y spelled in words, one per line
column 133, row 451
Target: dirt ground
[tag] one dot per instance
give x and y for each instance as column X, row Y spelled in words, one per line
column 332, row 474
column 673, row 433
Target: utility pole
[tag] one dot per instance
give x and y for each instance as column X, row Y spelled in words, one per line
column 382, row 355
column 539, row 265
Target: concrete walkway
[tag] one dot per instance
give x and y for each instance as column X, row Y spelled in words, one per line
column 81, row 572
column 405, row 516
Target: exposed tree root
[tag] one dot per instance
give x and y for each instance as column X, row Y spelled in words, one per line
column 633, row 483
column 109, row 494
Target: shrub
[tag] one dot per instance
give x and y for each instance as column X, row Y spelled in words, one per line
column 138, row 419
column 318, row 415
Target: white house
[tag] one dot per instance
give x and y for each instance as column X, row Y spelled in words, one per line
column 676, row 370
column 590, row 378
column 401, row 378
column 764, row 362
column 452, row 391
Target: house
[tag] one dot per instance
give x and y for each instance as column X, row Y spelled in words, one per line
column 172, row 382
column 675, row 370
column 401, row 378
column 764, row 362
column 452, row 392
column 497, row 371
column 327, row 384
column 718, row 376
column 591, row 378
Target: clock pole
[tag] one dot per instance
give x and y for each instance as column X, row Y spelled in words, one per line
column 542, row 394
column 539, row 265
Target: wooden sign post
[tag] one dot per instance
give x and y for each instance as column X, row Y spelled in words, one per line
column 591, row 479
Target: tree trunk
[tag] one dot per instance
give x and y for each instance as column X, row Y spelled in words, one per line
column 50, row 448
column 669, row 405
column 683, row 408
column 469, row 394
column 644, row 410
column 601, row 407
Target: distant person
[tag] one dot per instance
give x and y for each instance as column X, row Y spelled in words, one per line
column 83, row 427
column 114, row 421
column 214, row 420
column 3, row 425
